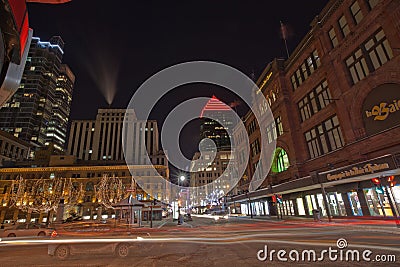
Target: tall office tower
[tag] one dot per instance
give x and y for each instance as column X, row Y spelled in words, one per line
column 214, row 130
column 39, row 110
column 101, row 139
column 57, row 129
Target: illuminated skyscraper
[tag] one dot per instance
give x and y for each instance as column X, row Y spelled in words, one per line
column 211, row 128
column 38, row 112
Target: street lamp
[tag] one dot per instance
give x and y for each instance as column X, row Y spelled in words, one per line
column 181, row 178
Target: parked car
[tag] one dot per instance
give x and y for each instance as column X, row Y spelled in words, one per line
column 120, row 249
column 27, row 230
column 63, row 251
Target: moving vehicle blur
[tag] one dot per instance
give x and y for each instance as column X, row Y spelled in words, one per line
column 30, row 229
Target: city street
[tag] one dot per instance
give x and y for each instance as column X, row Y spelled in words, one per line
column 232, row 242
column 207, row 133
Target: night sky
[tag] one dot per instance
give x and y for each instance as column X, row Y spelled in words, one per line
column 119, row 44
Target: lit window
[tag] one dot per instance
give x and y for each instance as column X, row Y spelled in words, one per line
column 281, row 162
column 373, row 3
column 375, row 52
column 356, row 12
column 344, row 26
column 332, row 36
column 324, row 137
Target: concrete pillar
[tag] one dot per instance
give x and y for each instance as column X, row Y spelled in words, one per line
column 363, row 202
column 347, row 204
column 305, row 204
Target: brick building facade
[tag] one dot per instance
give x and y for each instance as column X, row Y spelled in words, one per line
column 336, row 105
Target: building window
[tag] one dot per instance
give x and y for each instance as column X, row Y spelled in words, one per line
column 294, row 82
column 271, row 132
column 334, row 133
column 333, row 37
column 324, row 138
column 323, row 95
column 315, row 101
column 373, row 3
column 305, row 70
column 316, row 60
column 274, row 130
column 356, row 12
column 378, row 49
column 255, row 148
column 304, row 107
column 279, row 126
column 312, row 143
column 344, row 26
column 252, row 127
column 357, row 66
column 281, row 162
column 372, row 54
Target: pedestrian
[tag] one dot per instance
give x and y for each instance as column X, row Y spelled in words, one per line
column 319, row 214
column 316, row 215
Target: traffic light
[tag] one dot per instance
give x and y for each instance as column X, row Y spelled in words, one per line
column 279, row 199
column 378, row 186
column 376, row 181
column 391, row 181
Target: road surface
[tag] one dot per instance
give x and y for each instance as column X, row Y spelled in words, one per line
column 232, row 242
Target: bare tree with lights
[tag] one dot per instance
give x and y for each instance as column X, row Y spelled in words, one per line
column 109, row 190
column 43, row 195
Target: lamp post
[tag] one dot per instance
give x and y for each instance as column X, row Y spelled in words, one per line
column 181, row 178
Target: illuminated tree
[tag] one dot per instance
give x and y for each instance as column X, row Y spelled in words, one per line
column 109, row 190
column 43, row 195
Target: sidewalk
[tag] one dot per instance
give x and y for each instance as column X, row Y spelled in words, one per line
column 366, row 223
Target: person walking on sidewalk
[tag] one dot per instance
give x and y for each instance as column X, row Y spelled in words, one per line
column 317, row 215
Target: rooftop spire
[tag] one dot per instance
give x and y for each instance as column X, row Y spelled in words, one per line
column 214, row 104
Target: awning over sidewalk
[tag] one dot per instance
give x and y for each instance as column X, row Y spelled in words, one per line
column 378, row 167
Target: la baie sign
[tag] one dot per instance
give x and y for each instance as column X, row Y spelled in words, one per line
column 381, row 108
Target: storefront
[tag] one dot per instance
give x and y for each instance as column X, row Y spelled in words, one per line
column 369, row 188
column 366, row 189
column 255, row 207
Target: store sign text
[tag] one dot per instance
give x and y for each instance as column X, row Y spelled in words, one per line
column 367, row 169
column 266, row 80
column 382, row 111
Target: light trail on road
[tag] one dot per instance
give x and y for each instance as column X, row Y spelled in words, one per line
column 251, row 238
